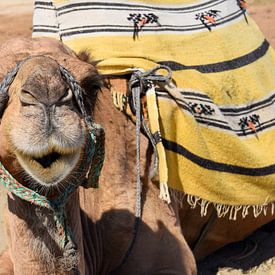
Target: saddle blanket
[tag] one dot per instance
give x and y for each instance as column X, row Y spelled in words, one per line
column 217, row 125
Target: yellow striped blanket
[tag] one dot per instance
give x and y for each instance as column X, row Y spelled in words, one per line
column 217, row 126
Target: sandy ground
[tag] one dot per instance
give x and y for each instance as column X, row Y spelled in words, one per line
column 16, row 21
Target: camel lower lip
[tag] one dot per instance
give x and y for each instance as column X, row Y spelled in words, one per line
column 49, row 168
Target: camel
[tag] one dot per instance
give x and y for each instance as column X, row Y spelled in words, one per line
column 214, row 51
column 204, row 234
column 43, row 137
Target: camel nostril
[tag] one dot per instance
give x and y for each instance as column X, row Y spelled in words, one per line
column 48, row 160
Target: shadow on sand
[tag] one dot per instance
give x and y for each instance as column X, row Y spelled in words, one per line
column 251, row 252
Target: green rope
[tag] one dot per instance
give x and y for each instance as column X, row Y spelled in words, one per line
column 57, row 206
column 93, row 163
column 31, row 196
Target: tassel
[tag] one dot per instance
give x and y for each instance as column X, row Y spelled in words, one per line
column 155, row 128
column 164, row 192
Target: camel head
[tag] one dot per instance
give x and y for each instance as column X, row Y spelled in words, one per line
column 42, row 131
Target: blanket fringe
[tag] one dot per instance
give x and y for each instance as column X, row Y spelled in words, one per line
column 222, row 210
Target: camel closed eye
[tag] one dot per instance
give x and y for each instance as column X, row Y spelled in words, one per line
column 67, row 97
column 27, row 98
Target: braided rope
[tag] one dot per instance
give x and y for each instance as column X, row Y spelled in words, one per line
column 78, row 93
column 8, row 79
column 136, row 96
column 138, row 84
column 31, row 196
column 5, row 84
column 57, row 205
column 76, row 89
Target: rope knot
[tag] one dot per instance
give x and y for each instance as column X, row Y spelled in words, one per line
column 146, row 79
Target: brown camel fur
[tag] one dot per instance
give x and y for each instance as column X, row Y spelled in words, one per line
column 41, row 117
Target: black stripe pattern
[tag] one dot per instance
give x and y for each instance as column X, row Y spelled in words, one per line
column 217, row 166
column 112, row 6
column 242, row 121
column 184, row 17
column 222, row 66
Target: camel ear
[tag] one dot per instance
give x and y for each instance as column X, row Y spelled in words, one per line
column 4, row 98
column 91, row 85
column 7, row 75
column 10, row 60
column 97, row 140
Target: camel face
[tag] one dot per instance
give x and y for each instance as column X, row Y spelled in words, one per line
column 42, row 125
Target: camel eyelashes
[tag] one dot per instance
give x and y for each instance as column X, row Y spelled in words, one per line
column 27, row 98
column 26, row 94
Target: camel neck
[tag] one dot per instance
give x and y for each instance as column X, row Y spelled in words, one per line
column 34, row 231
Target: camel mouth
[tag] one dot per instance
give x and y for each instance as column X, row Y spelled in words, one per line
column 47, row 160
column 49, row 168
